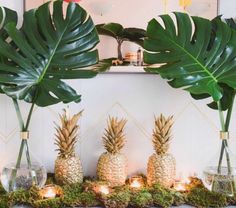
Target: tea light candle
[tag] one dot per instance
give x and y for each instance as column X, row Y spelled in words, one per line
column 181, row 185
column 136, row 182
column 48, row 192
column 103, row 189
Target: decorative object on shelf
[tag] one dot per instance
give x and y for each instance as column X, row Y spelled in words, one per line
column 197, row 62
column 112, row 165
column 185, row 3
column 139, row 57
column 34, row 61
column 50, row 191
column 161, row 165
column 131, row 57
column 136, row 182
column 68, row 167
column 122, row 34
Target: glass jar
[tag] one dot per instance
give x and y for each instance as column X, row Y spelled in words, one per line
column 13, row 178
column 25, row 172
column 220, row 175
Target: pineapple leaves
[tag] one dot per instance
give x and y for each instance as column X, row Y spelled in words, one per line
column 46, row 50
column 114, row 137
column 196, row 54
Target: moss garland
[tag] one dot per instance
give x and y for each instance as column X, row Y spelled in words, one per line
column 83, row 195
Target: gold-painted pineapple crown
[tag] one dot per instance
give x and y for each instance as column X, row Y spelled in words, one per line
column 114, row 137
column 66, row 134
column 162, row 134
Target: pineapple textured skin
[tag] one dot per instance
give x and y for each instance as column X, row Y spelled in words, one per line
column 68, row 171
column 161, row 170
column 112, row 168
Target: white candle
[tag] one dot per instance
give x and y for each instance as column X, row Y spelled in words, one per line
column 48, row 192
column 135, row 184
column 104, row 189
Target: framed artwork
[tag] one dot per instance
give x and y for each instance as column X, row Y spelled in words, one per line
column 204, row 8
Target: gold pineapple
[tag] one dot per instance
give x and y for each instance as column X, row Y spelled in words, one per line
column 68, row 168
column 112, row 165
column 161, row 165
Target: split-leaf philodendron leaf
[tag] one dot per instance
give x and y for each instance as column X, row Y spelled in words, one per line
column 47, row 49
column 6, row 16
column 198, row 57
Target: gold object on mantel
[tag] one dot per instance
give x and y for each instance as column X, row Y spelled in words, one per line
column 112, row 165
column 68, row 167
column 224, row 135
column 161, row 165
column 24, row 135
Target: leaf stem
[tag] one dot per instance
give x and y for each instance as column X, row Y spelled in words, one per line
column 24, row 145
column 19, row 115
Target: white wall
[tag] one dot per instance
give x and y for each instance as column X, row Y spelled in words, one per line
column 134, row 96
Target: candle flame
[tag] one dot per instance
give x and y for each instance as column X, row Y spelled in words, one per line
column 135, row 184
column 104, row 190
column 181, row 185
column 50, row 193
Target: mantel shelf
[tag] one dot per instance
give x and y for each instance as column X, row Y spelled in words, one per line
column 126, row 69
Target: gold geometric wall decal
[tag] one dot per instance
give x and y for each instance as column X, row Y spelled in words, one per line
column 6, row 137
column 204, row 115
column 129, row 118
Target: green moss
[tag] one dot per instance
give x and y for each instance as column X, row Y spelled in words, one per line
column 71, row 193
column 141, row 199
column 201, row 197
column 179, row 198
column 20, row 197
column 161, row 196
column 119, row 199
column 83, row 195
column 87, row 199
column 4, row 201
column 48, row 203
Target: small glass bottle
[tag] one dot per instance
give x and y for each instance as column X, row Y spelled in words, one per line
column 139, row 57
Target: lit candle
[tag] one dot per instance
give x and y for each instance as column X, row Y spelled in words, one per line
column 182, row 184
column 48, row 192
column 104, row 189
column 136, row 182
column 179, row 186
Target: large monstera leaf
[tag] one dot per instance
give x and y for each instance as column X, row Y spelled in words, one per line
column 47, row 49
column 6, row 16
column 198, row 57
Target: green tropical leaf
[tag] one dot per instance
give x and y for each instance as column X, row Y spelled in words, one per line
column 120, row 33
column 198, row 57
column 110, row 29
column 226, row 100
column 49, row 48
column 6, row 16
